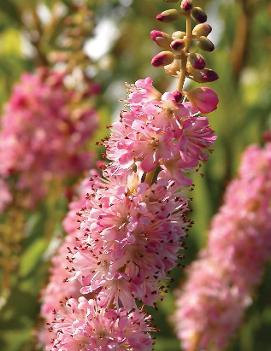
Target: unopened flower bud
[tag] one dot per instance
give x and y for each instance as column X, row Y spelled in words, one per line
column 202, row 29
column 186, row 5
column 203, row 98
column 168, row 15
column 197, row 61
column 173, row 68
column 162, row 59
column 178, row 35
column 199, row 15
column 178, row 96
column 161, row 38
column 205, row 44
column 177, row 44
column 204, row 76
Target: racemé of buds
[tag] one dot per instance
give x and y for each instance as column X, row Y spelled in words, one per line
column 177, row 59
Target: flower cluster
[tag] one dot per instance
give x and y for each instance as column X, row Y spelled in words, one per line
column 211, row 304
column 83, row 325
column 159, row 131
column 43, row 133
column 134, row 219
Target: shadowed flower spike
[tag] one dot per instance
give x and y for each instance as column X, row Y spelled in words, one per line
column 209, row 309
column 42, row 134
column 221, row 284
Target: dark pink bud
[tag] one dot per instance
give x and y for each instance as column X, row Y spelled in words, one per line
column 178, row 96
column 160, row 38
column 199, row 15
column 208, row 75
column 168, row 15
column 162, row 59
column 197, row 61
column 204, row 76
column 186, row 5
column 177, row 44
column 203, row 98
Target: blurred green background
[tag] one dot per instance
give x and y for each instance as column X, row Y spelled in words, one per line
column 121, row 51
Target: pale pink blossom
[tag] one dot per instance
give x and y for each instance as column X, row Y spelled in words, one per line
column 129, row 239
column 159, row 131
column 82, row 325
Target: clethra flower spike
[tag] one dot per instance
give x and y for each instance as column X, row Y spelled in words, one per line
column 131, row 230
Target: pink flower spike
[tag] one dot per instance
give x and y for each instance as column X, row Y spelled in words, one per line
column 203, row 98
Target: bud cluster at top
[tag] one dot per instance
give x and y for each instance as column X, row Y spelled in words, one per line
column 179, row 56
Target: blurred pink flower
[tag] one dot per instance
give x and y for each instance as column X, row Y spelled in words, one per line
column 221, row 283
column 43, row 133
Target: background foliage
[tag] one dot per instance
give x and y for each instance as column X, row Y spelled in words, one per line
column 242, row 33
